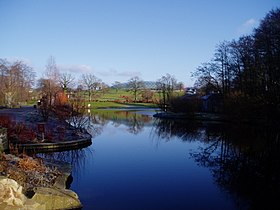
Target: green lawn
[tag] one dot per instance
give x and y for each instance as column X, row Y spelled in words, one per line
column 112, row 99
column 120, row 99
column 113, row 95
column 109, row 104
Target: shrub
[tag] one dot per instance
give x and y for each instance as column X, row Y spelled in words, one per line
column 189, row 104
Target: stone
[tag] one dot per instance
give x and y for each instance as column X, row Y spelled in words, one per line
column 56, row 198
column 51, row 197
column 11, row 193
column 12, row 198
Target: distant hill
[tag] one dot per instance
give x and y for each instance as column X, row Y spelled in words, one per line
column 148, row 85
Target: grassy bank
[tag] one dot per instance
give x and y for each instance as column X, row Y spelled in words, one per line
column 111, row 104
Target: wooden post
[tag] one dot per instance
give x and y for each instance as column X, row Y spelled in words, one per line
column 41, row 129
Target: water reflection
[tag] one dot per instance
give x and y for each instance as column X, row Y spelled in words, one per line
column 244, row 160
column 76, row 158
column 186, row 130
column 133, row 120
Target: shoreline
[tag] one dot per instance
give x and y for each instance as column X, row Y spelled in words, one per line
column 217, row 118
column 17, row 169
column 25, row 185
column 59, row 135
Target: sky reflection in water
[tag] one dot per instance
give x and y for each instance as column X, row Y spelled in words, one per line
column 124, row 169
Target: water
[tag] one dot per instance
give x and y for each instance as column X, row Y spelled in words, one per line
column 137, row 162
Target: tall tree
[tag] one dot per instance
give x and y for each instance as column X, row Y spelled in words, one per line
column 66, row 81
column 165, row 87
column 222, row 62
column 207, row 78
column 51, row 80
column 242, row 63
column 248, row 70
column 267, row 44
column 16, row 79
column 91, row 82
column 135, row 85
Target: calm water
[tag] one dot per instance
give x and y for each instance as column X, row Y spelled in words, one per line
column 137, row 162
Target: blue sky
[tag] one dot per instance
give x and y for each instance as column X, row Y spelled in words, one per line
column 119, row 39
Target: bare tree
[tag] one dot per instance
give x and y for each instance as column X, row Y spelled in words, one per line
column 207, row 78
column 16, row 79
column 165, row 87
column 91, row 82
column 51, row 81
column 246, row 71
column 222, row 61
column 66, row 81
column 135, row 85
column 147, row 95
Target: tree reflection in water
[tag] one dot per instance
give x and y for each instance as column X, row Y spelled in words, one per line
column 244, row 160
column 135, row 122
column 76, row 158
column 94, row 124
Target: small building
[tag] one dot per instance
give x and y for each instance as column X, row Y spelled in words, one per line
column 190, row 91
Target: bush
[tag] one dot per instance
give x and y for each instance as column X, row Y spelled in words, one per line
column 190, row 104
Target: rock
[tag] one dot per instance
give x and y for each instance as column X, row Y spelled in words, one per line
column 11, row 193
column 12, row 198
column 43, row 197
column 57, row 198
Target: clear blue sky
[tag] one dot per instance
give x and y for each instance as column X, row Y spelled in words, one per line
column 118, row 39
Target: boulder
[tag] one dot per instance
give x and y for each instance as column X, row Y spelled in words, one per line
column 12, row 198
column 55, row 198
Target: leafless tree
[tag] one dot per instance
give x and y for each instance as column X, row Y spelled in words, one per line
column 91, row 82
column 16, row 79
column 147, row 95
column 135, row 85
column 51, row 81
column 165, row 87
column 66, row 81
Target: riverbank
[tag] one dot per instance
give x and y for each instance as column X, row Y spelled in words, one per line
column 31, row 182
column 28, row 183
column 193, row 116
column 24, row 130
column 216, row 117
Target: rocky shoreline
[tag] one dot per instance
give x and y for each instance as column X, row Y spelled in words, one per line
column 31, row 182
column 34, row 184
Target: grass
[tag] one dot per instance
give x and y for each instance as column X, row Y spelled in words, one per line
column 115, row 95
column 113, row 99
column 105, row 104
column 109, row 104
column 116, row 99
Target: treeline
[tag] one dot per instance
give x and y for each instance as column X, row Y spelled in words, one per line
column 19, row 87
column 246, row 72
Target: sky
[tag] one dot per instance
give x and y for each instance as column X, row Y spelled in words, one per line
column 118, row 39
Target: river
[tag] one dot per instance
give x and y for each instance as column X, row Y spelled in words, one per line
column 139, row 162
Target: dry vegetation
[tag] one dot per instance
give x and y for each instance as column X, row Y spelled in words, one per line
column 29, row 172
